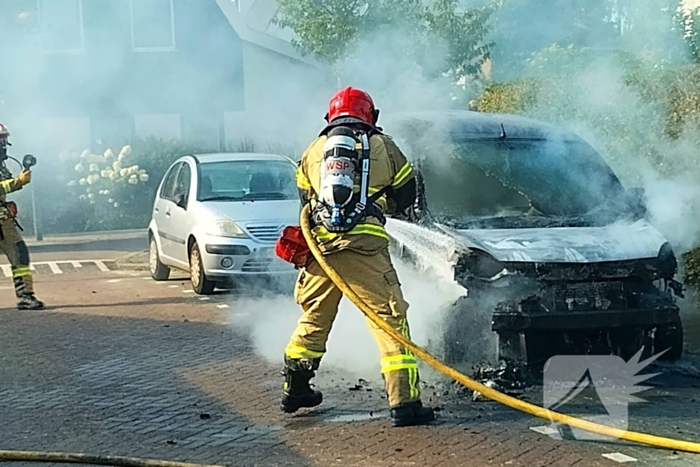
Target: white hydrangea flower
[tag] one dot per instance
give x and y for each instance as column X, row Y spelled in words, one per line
column 85, row 154
column 126, row 150
column 82, row 197
column 104, row 174
column 106, row 192
column 80, row 168
column 113, row 176
column 133, row 180
column 72, row 183
column 116, row 205
column 143, row 177
column 92, row 201
column 108, row 154
column 94, row 178
column 91, row 196
column 124, row 172
column 110, row 200
column 83, row 181
column 117, row 166
column 94, row 168
column 142, row 171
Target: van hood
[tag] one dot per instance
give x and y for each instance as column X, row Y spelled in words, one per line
column 261, row 210
column 618, row 242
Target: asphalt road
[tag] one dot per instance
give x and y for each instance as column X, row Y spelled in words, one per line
column 122, row 365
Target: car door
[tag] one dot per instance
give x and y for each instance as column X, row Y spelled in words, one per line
column 163, row 201
column 176, row 215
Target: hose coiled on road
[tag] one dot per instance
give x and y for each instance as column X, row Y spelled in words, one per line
column 512, row 402
column 38, row 456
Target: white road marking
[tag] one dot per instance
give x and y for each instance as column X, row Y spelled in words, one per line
column 204, row 298
column 188, row 291
column 54, row 268
column 114, row 281
column 544, row 430
column 101, row 265
column 32, row 268
column 7, row 270
column 222, row 306
column 173, row 286
column 76, row 264
column 619, row 457
column 146, row 278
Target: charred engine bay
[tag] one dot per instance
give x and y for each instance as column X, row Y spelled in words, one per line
column 537, row 310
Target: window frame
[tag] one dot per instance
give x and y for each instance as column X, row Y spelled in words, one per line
column 81, row 21
column 187, row 186
column 135, row 48
column 174, row 171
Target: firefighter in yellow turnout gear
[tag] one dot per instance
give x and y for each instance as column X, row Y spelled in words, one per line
column 361, row 257
column 11, row 241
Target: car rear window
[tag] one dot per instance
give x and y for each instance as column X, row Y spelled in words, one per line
column 246, row 181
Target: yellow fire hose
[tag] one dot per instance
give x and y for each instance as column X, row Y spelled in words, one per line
column 512, row 402
column 37, row 456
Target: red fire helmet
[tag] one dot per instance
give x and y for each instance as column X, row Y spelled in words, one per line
column 352, row 102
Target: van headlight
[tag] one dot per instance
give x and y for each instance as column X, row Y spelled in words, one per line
column 226, row 228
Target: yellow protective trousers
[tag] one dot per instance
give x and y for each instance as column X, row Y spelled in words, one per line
column 374, row 279
column 15, row 249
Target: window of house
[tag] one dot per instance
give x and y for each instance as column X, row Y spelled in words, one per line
column 152, row 25
column 61, row 25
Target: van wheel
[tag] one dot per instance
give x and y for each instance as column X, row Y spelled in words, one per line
column 669, row 336
column 159, row 271
column 200, row 282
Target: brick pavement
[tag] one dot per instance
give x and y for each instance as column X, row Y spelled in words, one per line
column 133, row 377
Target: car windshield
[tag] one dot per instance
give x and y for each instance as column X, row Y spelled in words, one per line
column 246, row 180
column 504, row 183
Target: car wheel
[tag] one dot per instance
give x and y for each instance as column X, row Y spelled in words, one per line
column 200, row 282
column 159, row 271
column 669, row 336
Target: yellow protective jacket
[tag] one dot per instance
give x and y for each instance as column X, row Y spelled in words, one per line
column 7, row 185
column 388, row 167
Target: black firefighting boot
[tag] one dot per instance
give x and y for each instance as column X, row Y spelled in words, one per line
column 411, row 413
column 297, row 392
column 29, row 302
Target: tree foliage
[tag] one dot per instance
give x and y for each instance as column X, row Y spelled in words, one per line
column 331, row 30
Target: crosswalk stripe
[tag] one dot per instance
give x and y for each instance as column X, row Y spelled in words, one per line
column 55, row 266
column 101, row 265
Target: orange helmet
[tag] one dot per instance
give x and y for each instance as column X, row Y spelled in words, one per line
column 352, row 102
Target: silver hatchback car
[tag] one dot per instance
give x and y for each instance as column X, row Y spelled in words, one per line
column 218, row 216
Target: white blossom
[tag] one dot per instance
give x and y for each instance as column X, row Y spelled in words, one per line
column 79, row 168
column 72, row 183
column 104, row 174
column 108, row 154
column 126, row 150
column 82, row 197
column 117, row 166
column 143, row 177
column 116, row 205
column 91, row 196
column 124, row 172
column 85, row 154
column 83, row 181
column 133, row 180
column 94, row 168
column 110, row 200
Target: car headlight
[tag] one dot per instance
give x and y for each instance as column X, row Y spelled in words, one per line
column 226, row 228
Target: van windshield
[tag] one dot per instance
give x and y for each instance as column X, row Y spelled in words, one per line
column 516, row 179
column 246, row 180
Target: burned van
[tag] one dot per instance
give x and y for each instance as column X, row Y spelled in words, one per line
column 542, row 235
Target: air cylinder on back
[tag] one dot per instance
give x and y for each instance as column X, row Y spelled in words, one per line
column 338, row 170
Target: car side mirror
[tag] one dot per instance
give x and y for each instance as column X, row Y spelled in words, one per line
column 181, row 201
column 636, row 200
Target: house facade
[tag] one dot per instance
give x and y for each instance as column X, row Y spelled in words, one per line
column 96, row 73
